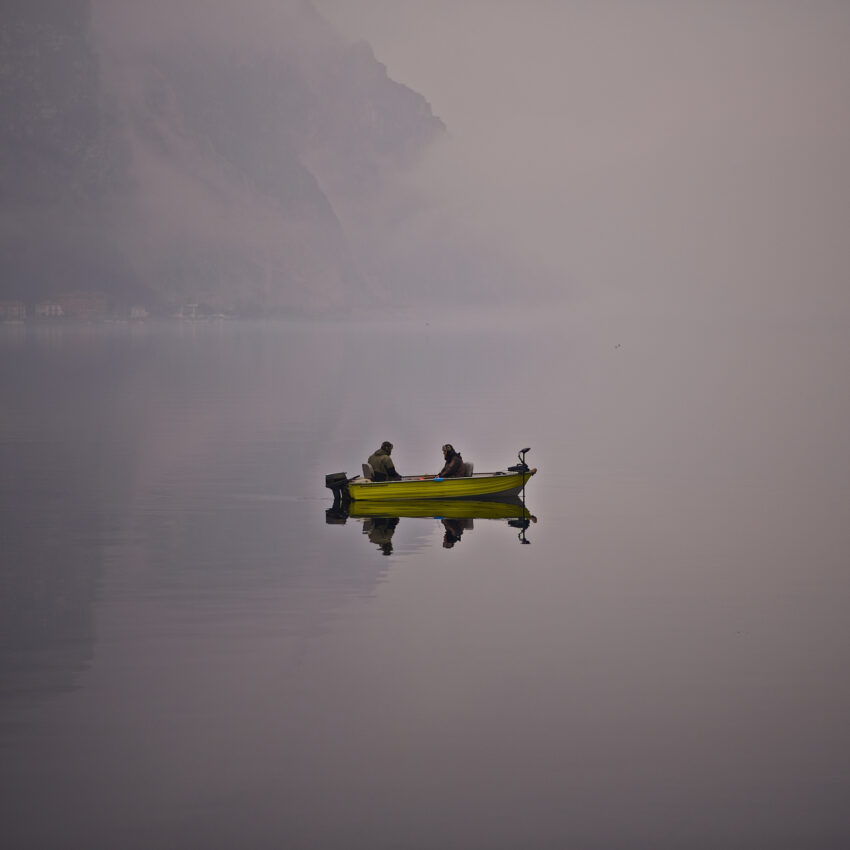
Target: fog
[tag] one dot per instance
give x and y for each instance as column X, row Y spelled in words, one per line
column 669, row 156
column 615, row 232
column 658, row 157
column 252, row 24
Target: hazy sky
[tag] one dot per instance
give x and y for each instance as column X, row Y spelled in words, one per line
column 686, row 153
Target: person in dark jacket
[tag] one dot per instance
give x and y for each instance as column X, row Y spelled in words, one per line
column 453, row 467
column 381, row 463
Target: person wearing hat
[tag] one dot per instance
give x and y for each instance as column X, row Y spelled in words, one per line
column 382, row 464
column 454, row 463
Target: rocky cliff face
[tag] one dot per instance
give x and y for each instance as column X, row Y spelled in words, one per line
column 192, row 162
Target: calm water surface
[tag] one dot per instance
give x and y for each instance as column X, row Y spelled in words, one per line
column 192, row 656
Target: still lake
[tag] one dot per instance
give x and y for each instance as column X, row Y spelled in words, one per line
column 193, row 656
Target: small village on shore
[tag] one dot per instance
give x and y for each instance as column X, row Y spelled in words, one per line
column 92, row 307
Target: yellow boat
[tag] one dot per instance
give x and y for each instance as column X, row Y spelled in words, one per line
column 476, row 486
column 480, row 485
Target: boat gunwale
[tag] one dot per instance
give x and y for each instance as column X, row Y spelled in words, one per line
column 515, row 481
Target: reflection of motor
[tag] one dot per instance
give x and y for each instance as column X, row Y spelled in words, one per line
column 336, row 514
column 522, row 525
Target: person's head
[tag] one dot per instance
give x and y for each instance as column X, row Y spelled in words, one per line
column 448, row 451
column 387, row 446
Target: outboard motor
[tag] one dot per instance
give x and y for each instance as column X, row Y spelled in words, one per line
column 337, row 483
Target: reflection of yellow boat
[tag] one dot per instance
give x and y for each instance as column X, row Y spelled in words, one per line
column 380, row 518
column 442, row 509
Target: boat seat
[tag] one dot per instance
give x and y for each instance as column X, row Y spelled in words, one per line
column 467, row 468
column 368, row 472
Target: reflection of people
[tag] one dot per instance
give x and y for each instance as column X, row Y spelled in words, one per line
column 454, row 530
column 380, row 531
column 382, row 464
column 453, row 466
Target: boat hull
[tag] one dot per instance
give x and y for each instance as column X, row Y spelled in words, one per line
column 498, row 485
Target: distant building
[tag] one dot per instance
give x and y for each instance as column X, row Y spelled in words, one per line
column 83, row 305
column 12, row 311
column 49, row 310
column 138, row 312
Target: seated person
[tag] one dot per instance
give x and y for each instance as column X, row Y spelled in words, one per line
column 453, row 467
column 382, row 465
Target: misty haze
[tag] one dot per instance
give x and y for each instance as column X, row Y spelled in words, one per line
column 244, row 244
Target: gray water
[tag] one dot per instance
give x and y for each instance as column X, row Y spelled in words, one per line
column 192, row 656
